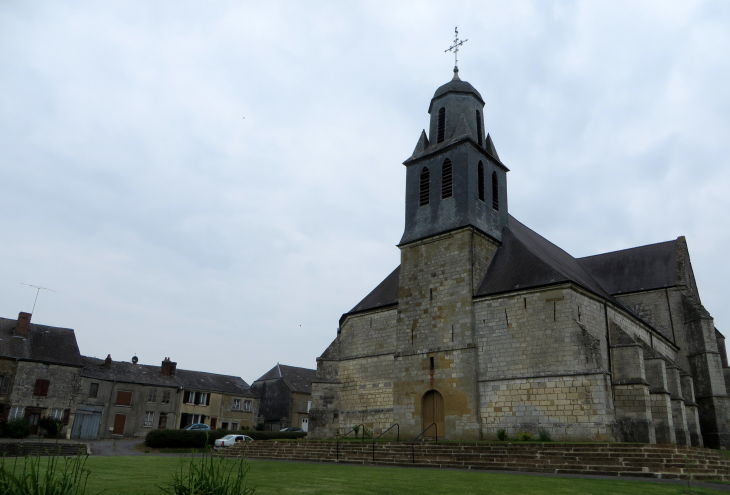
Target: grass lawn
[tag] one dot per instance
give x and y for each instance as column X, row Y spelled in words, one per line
column 139, row 475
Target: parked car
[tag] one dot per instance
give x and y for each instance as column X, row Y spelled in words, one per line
column 198, row 427
column 292, row 428
column 229, row 440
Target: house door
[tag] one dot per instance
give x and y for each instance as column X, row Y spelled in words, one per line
column 163, row 421
column 213, row 423
column 305, row 424
column 86, row 425
column 119, row 420
column 432, row 411
column 33, row 415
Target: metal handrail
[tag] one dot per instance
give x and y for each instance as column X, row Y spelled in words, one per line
column 343, row 436
column 386, row 431
column 413, row 449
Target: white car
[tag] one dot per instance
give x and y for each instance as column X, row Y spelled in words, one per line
column 229, row 440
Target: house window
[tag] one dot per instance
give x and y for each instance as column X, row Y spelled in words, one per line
column 224, row 425
column 152, row 395
column 441, row 124
column 124, row 398
column 234, row 426
column 5, row 385
column 247, row 405
column 480, row 180
column 425, row 187
column 165, row 396
column 93, row 390
column 41, row 387
column 446, row 180
column 56, row 413
column 16, row 412
column 236, row 404
column 149, row 419
column 309, row 406
column 203, row 398
column 495, row 191
column 479, row 128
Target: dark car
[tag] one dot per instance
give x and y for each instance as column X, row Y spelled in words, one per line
column 198, row 427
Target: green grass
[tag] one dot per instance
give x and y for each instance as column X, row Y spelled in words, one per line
column 139, row 475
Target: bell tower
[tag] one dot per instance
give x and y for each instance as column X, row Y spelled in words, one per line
column 455, row 177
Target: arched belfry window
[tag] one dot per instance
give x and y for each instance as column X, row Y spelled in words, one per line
column 495, row 191
column 447, row 182
column 441, row 124
column 480, row 180
column 425, row 183
column 479, row 128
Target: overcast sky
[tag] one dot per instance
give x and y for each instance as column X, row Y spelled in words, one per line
column 218, row 182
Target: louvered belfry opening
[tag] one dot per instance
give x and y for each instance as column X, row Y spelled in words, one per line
column 425, row 183
column 441, row 124
column 479, row 128
column 495, row 191
column 480, row 179
column 447, row 182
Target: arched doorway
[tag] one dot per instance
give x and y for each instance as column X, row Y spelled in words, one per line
column 432, row 411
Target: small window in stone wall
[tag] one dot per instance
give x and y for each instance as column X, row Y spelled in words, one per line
column 234, row 426
column 56, row 413
column 480, row 180
column 224, row 425
column 149, row 419
column 41, row 387
column 236, row 404
column 247, row 405
column 124, row 398
column 152, row 395
column 479, row 128
column 165, row 396
column 93, row 390
column 5, row 385
column 495, row 191
column 16, row 412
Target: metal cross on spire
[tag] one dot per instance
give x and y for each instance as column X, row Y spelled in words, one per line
column 455, row 47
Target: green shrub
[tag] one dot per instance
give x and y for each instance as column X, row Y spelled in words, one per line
column 209, row 476
column 544, row 436
column 502, row 434
column 18, row 428
column 51, row 426
column 55, row 478
column 183, row 439
column 524, row 436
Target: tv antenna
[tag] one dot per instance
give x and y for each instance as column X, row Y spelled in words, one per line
column 38, row 290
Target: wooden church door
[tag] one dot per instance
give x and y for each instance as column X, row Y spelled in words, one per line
column 432, row 411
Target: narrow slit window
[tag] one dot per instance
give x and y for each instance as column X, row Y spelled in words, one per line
column 480, row 180
column 425, row 186
column 495, row 191
column 432, row 364
column 441, row 124
column 479, row 128
column 446, row 180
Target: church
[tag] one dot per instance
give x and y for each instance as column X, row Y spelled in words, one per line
column 487, row 326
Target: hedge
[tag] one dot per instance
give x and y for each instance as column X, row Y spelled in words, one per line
column 183, row 439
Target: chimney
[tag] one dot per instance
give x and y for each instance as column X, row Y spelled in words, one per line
column 108, row 361
column 23, row 326
column 168, row 367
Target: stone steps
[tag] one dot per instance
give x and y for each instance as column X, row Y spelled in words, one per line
column 22, row 449
column 605, row 459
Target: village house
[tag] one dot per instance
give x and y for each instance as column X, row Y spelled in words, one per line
column 40, row 367
column 286, row 395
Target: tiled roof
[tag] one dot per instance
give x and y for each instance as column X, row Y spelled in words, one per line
column 299, row 379
column 144, row 374
column 44, row 343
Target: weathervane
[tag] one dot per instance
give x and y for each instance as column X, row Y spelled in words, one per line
column 455, row 47
column 38, row 290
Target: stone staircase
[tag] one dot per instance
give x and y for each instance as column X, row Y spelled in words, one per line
column 617, row 459
column 22, row 449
